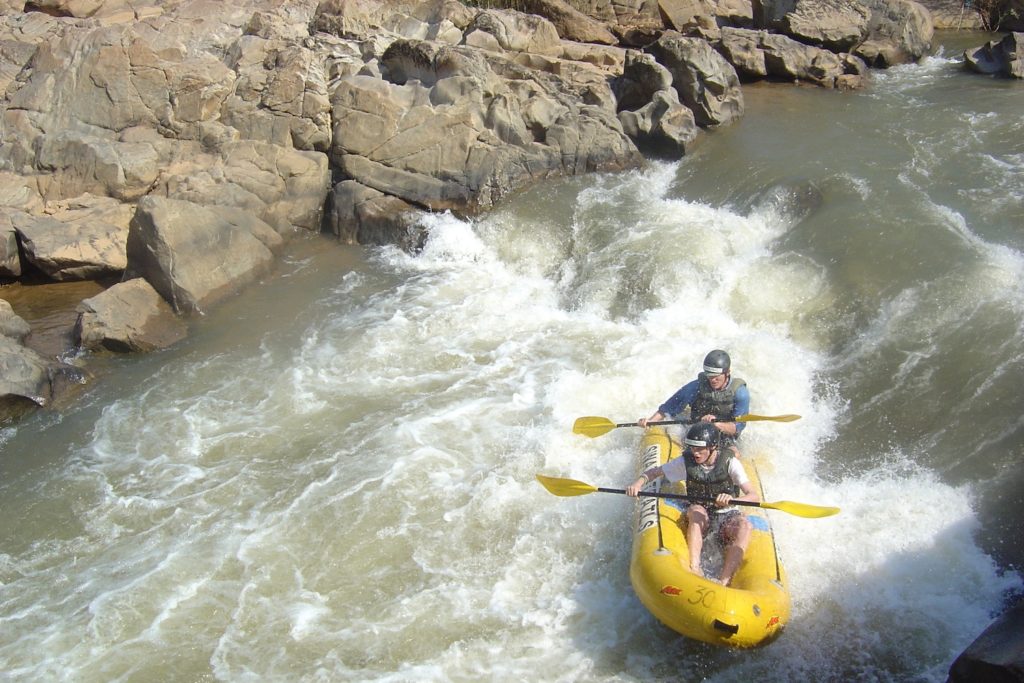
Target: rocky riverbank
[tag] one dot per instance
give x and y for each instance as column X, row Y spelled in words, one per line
column 165, row 151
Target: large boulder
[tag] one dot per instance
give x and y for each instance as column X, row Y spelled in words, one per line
column 1003, row 57
column 280, row 95
column 759, row 54
column 705, row 82
column 10, row 256
column 29, row 381
column 682, row 15
column 287, row 22
column 24, row 378
column 570, row 23
column 957, row 14
column 735, row 13
column 17, row 194
column 662, row 127
column 355, row 20
column 838, row 25
column 900, row 32
column 193, row 255
column 642, row 77
column 508, row 30
column 282, row 186
column 74, row 162
column 103, row 110
column 637, row 13
column 358, row 214
column 20, row 192
column 649, row 108
column 68, row 8
column 114, row 81
column 449, row 128
column 79, row 239
column 130, row 316
column 882, row 32
column 19, row 44
column 11, row 324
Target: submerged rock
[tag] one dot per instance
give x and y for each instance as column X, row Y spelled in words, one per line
column 997, row 655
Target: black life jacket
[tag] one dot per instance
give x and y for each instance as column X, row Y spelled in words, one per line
column 717, row 403
column 708, row 483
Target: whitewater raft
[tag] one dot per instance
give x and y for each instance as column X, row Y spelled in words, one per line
column 752, row 611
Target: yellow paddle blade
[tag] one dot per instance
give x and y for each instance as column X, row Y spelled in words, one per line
column 772, row 418
column 592, row 426
column 801, row 509
column 565, row 487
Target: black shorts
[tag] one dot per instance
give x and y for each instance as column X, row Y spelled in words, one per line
column 719, row 521
column 716, row 520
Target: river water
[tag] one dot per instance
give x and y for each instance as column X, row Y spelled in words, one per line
column 333, row 478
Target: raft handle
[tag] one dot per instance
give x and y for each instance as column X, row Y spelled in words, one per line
column 731, row 629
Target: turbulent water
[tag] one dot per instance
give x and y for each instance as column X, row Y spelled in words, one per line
column 333, row 478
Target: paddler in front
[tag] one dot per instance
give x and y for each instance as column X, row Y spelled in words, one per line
column 714, row 473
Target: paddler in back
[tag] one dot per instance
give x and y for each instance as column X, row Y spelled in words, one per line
column 715, row 397
column 715, row 473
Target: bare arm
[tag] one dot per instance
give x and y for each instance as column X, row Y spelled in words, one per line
column 643, row 480
column 657, row 416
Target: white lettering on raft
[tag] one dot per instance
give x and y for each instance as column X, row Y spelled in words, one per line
column 648, row 515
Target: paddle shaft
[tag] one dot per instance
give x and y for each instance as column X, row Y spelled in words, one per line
column 673, row 422
column 741, row 418
column 655, row 424
column 680, row 496
column 571, row 487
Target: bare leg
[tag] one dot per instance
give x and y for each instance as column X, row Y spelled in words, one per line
column 697, row 524
column 738, row 536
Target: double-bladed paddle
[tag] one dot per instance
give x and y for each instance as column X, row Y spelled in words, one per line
column 596, row 426
column 571, row 487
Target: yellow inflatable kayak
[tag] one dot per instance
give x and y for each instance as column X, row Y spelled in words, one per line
column 751, row 611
